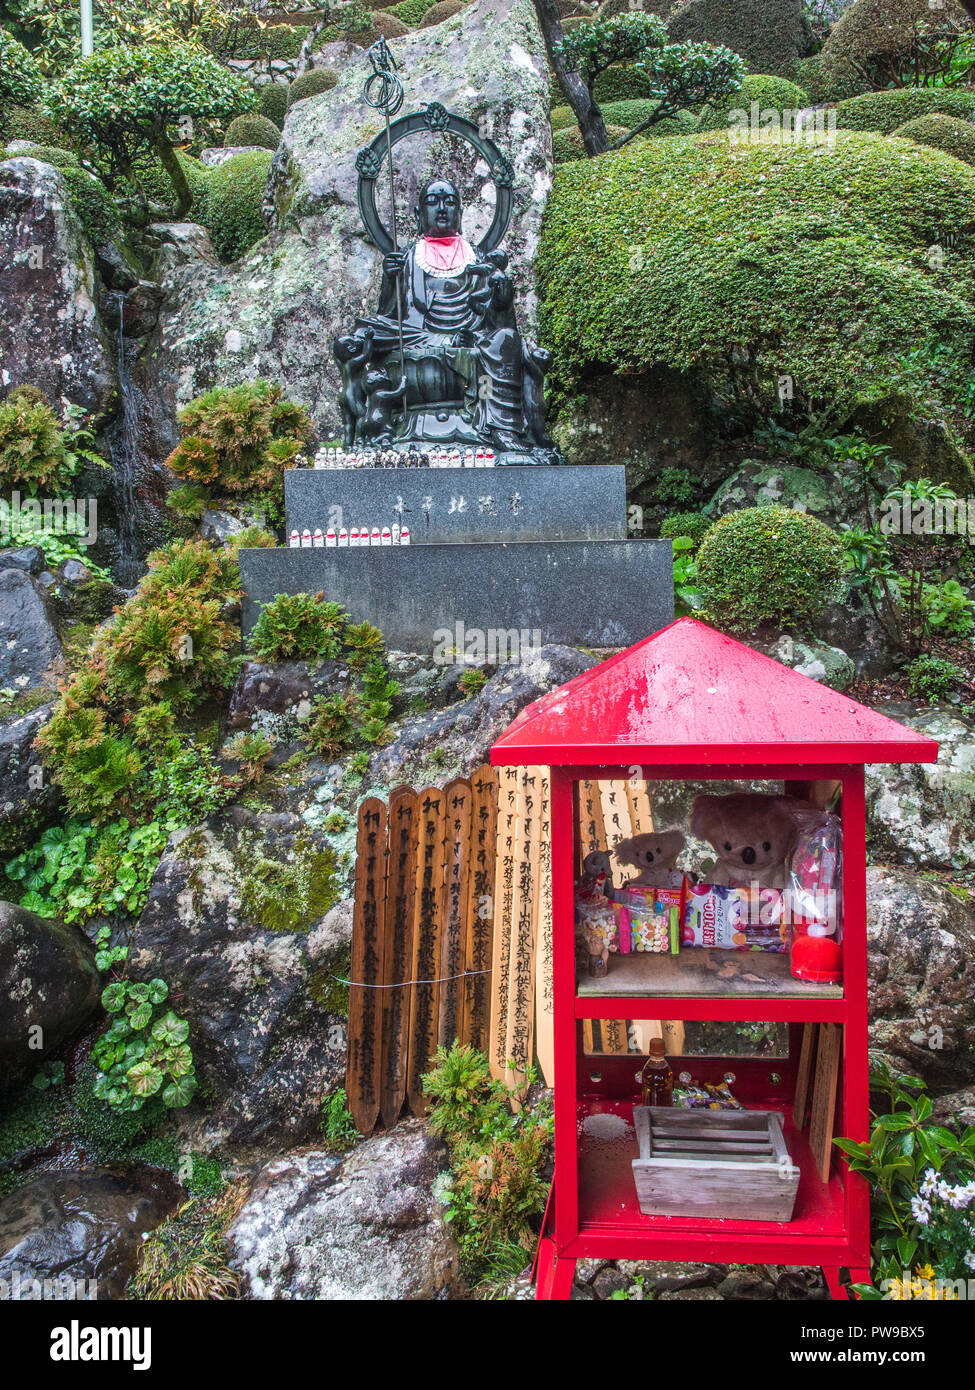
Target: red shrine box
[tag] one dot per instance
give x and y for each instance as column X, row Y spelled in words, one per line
column 692, row 704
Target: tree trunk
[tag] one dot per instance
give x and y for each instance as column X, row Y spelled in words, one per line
column 184, row 195
column 586, row 110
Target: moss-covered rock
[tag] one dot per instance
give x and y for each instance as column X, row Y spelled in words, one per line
column 746, row 263
column 942, row 133
column 232, row 212
column 886, row 111
column 771, row 93
column 770, row 37
column 253, row 130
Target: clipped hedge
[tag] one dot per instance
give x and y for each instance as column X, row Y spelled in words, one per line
column 47, row 154
column 770, row 36
column 157, row 185
column 768, row 565
column 622, row 82
column 32, row 123
column 310, row 84
column 942, row 133
column 278, row 42
column 443, row 9
column 411, row 12
column 567, row 144
column 252, row 130
column 886, row 111
column 870, row 34
column 93, row 204
column 626, row 115
column 742, row 263
column 272, row 102
column 382, row 24
column 232, row 210
column 771, row 93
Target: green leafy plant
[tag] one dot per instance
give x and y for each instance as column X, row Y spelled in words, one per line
column 37, row 452
column 693, row 526
column 364, row 643
column 189, row 500
column 95, row 768
column 338, row 1126
column 252, row 129
column 931, row 678
column 332, row 726
column 144, row 1052
column 51, row 1073
column 79, row 870
column 253, row 537
column 238, row 439
column 252, row 751
column 922, row 1178
column 768, row 564
column 687, row 594
column 946, row 609
column 302, row 627
column 472, row 681
column 20, row 79
column 186, row 784
column 130, row 101
column 232, row 209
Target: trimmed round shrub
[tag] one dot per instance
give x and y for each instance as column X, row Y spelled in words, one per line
column 252, row 130
column 443, row 9
column 93, row 205
column 769, row 34
column 382, row 24
column 232, row 212
column 567, row 144
column 272, row 102
column 771, row 93
column 411, row 12
column 32, row 123
column 743, row 263
column 878, row 41
column 942, row 133
column 622, row 82
column 694, row 525
column 768, row 565
column 886, row 111
column 310, row 83
column 47, row 154
column 625, row 115
column 20, row 78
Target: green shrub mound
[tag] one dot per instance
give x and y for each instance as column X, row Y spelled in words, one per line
column 771, row 93
column 567, row 144
column 310, row 83
column 886, row 111
column 31, row 123
column 411, row 12
column 625, row 115
column 252, row 130
column 93, row 205
column 769, row 36
column 238, row 439
column 272, row 102
column 157, row 187
column 47, row 154
column 20, row 77
column 942, row 133
column 232, row 211
column 744, row 263
column 622, row 82
column 768, row 565
column 278, row 41
column 381, row 24
column 443, row 9
column 890, row 43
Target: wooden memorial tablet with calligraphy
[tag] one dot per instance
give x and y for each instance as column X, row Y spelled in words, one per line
column 544, row 989
column 822, row 1120
column 402, row 830
column 616, row 822
column 480, row 906
column 364, row 1066
column 427, row 931
column 521, row 971
column 457, row 836
column 504, row 881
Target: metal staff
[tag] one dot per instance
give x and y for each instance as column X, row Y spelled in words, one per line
column 384, row 92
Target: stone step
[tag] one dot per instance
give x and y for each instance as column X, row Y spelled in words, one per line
column 598, row 593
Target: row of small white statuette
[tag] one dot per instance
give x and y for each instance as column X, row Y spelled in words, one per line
column 392, row 458
column 332, row 539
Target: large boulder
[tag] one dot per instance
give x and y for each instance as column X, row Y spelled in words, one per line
column 465, row 732
column 78, row 1235
column 924, row 813
column 50, row 335
column 49, row 985
column 275, row 313
column 921, row 965
column 237, row 923
column 283, row 690
column 365, row 1226
column 29, row 644
column 29, row 798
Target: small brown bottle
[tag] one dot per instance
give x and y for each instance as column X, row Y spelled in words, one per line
column 657, row 1077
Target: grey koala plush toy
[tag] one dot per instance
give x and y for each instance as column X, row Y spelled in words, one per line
column 654, row 856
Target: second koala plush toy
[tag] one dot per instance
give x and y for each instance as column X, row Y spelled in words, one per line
column 654, row 856
column 752, row 835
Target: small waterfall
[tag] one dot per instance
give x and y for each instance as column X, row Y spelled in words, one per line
column 132, row 492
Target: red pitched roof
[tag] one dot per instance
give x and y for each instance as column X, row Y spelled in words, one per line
column 690, row 694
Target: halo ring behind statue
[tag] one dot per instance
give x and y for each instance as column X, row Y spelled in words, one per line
column 438, row 120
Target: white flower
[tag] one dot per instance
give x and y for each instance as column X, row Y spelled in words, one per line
column 970, row 1259
column 920, row 1209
